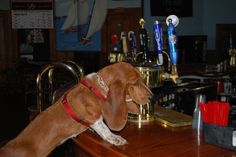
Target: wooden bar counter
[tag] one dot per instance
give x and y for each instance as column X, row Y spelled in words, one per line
column 152, row 139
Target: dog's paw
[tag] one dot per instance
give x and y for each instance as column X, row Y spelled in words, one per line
column 116, row 140
column 100, row 127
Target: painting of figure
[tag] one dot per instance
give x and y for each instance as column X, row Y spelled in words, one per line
column 78, row 24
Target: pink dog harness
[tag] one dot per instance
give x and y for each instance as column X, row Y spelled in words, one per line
column 94, row 90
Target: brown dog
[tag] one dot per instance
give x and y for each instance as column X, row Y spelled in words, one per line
column 109, row 94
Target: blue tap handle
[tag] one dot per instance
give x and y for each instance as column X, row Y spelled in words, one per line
column 172, row 38
column 158, row 37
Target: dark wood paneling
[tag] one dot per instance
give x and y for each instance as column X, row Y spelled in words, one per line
column 128, row 17
column 8, row 42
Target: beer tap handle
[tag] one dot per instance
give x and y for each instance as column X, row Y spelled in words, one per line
column 124, row 43
column 172, row 21
column 132, row 41
column 158, row 37
column 144, row 41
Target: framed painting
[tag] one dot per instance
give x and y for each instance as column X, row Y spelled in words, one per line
column 77, row 25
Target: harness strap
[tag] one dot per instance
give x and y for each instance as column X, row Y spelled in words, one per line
column 69, row 109
column 72, row 114
column 94, row 90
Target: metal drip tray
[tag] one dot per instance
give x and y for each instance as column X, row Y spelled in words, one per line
column 204, row 77
column 184, row 84
column 181, row 97
column 215, row 74
column 172, row 118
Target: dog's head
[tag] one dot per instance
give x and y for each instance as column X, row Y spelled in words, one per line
column 126, row 91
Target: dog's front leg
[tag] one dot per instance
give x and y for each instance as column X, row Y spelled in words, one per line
column 102, row 130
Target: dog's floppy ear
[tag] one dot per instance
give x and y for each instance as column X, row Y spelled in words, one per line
column 139, row 93
column 115, row 109
column 133, row 108
column 131, row 105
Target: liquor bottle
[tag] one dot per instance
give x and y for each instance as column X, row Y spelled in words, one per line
column 115, row 48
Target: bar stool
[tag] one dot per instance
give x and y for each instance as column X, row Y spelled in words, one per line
column 45, row 93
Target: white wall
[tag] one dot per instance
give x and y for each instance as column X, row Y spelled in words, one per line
column 217, row 12
column 206, row 14
column 187, row 26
